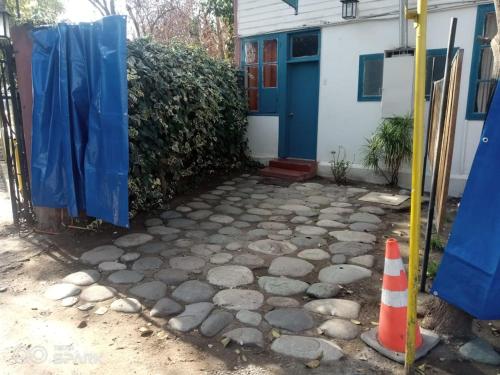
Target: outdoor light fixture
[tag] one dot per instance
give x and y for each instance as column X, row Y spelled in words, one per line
column 4, row 22
column 349, row 9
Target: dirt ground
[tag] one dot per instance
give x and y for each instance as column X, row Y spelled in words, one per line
column 39, row 336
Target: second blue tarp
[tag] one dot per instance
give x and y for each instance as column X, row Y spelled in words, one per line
column 80, row 121
column 469, row 274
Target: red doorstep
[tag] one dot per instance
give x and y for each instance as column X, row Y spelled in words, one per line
column 291, row 169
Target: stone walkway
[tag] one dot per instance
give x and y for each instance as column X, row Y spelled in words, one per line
column 247, row 262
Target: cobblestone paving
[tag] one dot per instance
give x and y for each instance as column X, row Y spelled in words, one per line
column 254, row 263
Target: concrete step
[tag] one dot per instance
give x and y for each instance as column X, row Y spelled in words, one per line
column 295, row 164
column 287, row 174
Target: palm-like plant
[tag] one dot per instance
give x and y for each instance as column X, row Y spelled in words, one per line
column 389, row 147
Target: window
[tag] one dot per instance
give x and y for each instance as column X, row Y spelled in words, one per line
column 252, row 75
column 435, row 66
column 481, row 84
column 270, row 64
column 304, row 45
column 260, row 63
column 371, row 71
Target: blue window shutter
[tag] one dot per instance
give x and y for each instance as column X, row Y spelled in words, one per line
column 294, row 4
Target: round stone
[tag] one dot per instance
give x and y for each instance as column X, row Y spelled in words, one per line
column 165, row 307
column 169, row 237
column 220, row 239
column 153, row 222
column 209, row 225
column 199, row 214
column 192, row 317
column 125, row 277
column 350, row 248
column 183, row 209
column 170, row 214
column 230, row 231
column 309, row 230
column 221, row 219
column 251, row 218
column 282, row 302
column 187, row 263
column 307, row 348
column 364, row 217
column 300, row 210
column 343, row 274
column 153, row 247
column 337, row 210
column 372, row 210
column 239, row 299
column 240, row 224
column 256, row 233
column 69, row 301
column 330, row 224
column 152, row 290
column 352, row 236
column 215, row 323
column 287, row 266
column 341, row 308
column 282, row 286
column 230, row 276
column 181, row 223
column 198, row 205
column 227, row 209
column 205, row 250
column 259, row 211
column 101, row 254
column 233, row 246
column 246, row 336
column 249, row 260
column 147, row 264
column 193, row 291
column 299, row 220
column 363, row 261
column 82, row 278
column 363, row 227
column 196, row 234
column 323, row 290
column 221, row 258
column 126, row 305
column 290, row 319
column 313, row 254
column 339, row 329
column 341, row 204
column 130, row 257
column 161, row 230
column 111, row 266
column 183, row 242
column 272, row 247
column 132, row 239
column 272, row 225
column 62, row 290
column 338, row 259
column 172, row 276
column 97, row 293
column 249, row 317
column 308, row 241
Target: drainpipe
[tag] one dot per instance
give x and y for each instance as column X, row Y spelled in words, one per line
column 403, row 25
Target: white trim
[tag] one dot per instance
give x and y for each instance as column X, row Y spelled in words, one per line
column 394, row 299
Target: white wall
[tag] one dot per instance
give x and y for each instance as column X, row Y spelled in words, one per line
column 345, row 121
column 264, row 16
column 263, row 137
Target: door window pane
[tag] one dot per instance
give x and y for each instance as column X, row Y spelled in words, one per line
column 270, row 50
column 490, row 26
column 486, row 64
column 305, row 45
column 270, row 75
column 373, row 73
column 251, row 53
column 434, row 71
column 253, row 100
column 252, row 74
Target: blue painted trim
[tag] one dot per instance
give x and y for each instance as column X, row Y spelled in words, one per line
column 433, row 53
column 361, row 77
column 290, row 58
column 482, row 10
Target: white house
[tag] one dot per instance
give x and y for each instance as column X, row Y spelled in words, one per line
column 317, row 81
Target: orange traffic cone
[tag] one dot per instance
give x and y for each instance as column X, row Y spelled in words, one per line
column 392, row 321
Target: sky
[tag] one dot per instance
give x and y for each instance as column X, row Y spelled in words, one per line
column 81, row 11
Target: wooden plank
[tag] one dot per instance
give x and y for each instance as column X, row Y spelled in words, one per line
column 434, row 110
column 448, row 141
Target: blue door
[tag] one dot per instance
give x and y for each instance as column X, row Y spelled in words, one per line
column 302, row 109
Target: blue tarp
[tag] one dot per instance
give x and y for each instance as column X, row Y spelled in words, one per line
column 469, row 274
column 80, row 119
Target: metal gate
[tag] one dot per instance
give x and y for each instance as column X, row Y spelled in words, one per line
column 13, row 137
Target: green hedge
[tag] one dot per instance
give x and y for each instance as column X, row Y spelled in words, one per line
column 187, row 120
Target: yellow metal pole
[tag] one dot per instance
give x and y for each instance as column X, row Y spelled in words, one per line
column 420, row 18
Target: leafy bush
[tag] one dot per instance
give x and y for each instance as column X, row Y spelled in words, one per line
column 187, row 120
column 389, row 147
column 340, row 166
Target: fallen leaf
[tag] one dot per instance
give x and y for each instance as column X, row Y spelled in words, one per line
column 275, row 333
column 354, row 321
column 225, row 341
